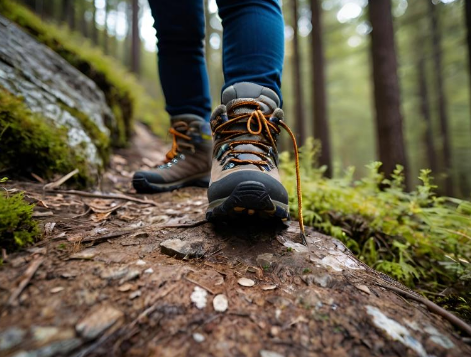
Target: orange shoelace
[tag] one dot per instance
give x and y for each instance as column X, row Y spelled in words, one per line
column 265, row 127
column 175, row 135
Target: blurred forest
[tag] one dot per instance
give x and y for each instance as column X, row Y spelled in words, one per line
column 339, row 80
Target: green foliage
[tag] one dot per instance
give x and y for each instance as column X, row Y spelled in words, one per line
column 418, row 238
column 17, row 228
column 30, row 143
column 123, row 93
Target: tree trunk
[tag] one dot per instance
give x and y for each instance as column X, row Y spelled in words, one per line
column 467, row 10
column 65, row 10
column 94, row 27
column 441, row 99
column 136, row 40
column 425, row 111
column 71, row 16
column 298, row 98
column 319, row 96
column 128, row 39
column 105, row 29
column 386, row 88
column 83, row 20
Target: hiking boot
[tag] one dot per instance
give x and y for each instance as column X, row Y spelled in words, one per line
column 188, row 163
column 244, row 175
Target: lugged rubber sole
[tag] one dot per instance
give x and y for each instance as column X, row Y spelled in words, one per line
column 142, row 185
column 249, row 198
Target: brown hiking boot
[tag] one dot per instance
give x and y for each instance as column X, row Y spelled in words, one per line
column 188, row 162
column 244, row 175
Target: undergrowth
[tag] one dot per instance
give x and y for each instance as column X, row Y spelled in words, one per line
column 417, row 237
column 124, row 95
column 17, row 227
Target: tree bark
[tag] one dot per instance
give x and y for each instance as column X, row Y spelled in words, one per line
column 467, row 11
column 83, row 20
column 319, row 95
column 136, row 40
column 65, row 10
column 94, row 27
column 297, row 84
column 105, row 30
column 71, row 16
column 390, row 137
column 425, row 111
column 441, row 99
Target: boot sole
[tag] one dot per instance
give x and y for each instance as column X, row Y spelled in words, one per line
column 142, row 185
column 249, row 198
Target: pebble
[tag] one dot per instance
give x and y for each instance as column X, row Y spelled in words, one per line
column 125, row 287
column 198, row 337
column 135, row 294
column 57, row 289
column 183, row 249
column 89, row 253
column 268, row 287
column 141, row 262
column 198, row 296
column 149, row 271
column 98, row 321
column 363, row 288
column 113, row 273
column 246, row 282
column 11, row 338
column 131, row 275
column 265, row 353
column 220, row 303
column 265, row 260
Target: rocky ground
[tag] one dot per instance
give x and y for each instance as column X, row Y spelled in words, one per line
column 147, row 276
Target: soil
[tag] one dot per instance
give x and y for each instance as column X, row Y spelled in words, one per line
column 116, row 277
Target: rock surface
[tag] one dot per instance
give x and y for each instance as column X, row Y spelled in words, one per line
column 53, row 88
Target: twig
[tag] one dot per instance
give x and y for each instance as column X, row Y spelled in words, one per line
column 53, row 185
column 29, row 273
column 110, row 236
column 105, row 196
column 432, row 307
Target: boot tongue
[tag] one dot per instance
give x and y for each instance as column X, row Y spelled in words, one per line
column 266, row 99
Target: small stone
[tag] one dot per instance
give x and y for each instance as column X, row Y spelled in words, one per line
column 363, row 288
column 148, row 271
column 141, row 262
column 56, row 290
column 142, row 235
column 220, row 303
column 125, row 287
column 11, row 338
column 265, row 260
column 246, row 282
column 130, row 275
column 198, row 337
column 44, row 334
column 113, row 273
column 265, row 353
column 198, row 296
column 275, row 331
column 89, row 253
column 98, row 321
column 183, row 249
column 268, row 287
column 135, row 294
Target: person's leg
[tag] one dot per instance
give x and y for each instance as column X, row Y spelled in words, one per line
column 182, row 68
column 180, row 33
column 253, row 42
column 244, row 174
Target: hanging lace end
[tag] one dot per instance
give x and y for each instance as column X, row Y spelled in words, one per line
column 302, row 237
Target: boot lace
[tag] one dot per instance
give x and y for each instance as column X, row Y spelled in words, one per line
column 266, row 126
column 177, row 131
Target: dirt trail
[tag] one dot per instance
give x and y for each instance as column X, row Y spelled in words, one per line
column 116, row 277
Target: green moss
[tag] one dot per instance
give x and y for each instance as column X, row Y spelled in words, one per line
column 17, row 228
column 31, row 143
column 123, row 93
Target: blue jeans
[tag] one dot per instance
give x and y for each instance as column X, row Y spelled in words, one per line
column 253, row 49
